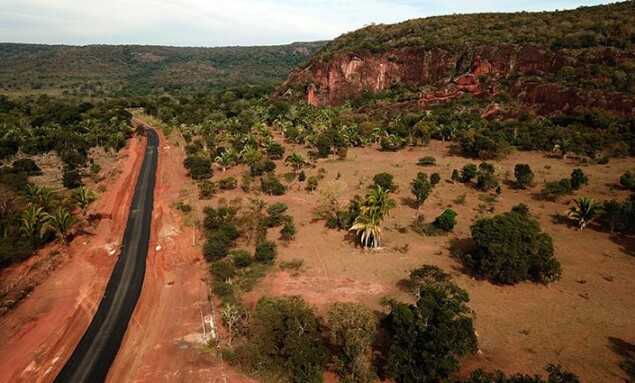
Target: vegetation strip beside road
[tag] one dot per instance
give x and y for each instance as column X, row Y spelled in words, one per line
column 98, row 347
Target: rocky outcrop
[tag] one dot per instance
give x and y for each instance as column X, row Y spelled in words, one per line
column 529, row 74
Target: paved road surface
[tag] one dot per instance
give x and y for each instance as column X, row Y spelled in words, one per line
column 98, row 347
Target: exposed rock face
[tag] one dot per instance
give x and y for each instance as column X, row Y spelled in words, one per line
column 445, row 75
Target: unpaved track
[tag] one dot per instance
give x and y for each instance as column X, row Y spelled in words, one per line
column 98, row 347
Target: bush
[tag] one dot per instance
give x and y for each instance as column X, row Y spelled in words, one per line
column 27, row 166
column 435, row 178
column 556, row 189
column 421, row 188
column 275, row 151
column 215, row 249
column 312, row 183
column 222, row 289
column 222, row 271
column 71, row 179
column 455, row 176
column 302, row 176
column 207, row 189
column 229, row 183
column 198, row 167
column 385, row 180
column 486, row 181
column 285, row 337
column 276, row 214
column 271, row 184
column 265, row 252
column 578, row 179
column 428, row 338
column 468, row 173
column 627, row 180
column 427, row 161
column 288, row 230
column 524, row 176
column 261, row 167
column 446, row 221
column 556, row 375
column 511, row 248
column 241, row 258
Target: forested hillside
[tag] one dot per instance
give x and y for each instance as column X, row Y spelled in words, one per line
column 103, row 70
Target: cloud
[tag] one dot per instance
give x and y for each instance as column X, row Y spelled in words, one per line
column 222, row 22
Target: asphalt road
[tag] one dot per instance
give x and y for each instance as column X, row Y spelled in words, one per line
column 98, row 347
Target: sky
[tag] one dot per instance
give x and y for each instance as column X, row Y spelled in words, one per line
column 211, row 23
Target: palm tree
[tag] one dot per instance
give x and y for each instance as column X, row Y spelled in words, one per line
column 563, row 146
column 377, row 203
column 585, row 211
column 296, row 160
column 83, row 197
column 226, row 159
column 60, row 222
column 42, row 196
column 32, row 220
column 368, row 230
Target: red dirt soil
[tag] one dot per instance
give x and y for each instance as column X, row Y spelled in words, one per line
column 164, row 339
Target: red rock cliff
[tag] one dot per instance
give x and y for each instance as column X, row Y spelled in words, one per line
column 527, row 74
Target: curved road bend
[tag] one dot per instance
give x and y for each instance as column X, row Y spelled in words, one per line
column 98, row 347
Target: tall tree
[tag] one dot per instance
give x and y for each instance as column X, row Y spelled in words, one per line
column 83, row 197
column 60, row 223
column 421, row 188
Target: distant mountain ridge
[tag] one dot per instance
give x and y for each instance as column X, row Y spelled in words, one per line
column 105, row 70
column 544, row 61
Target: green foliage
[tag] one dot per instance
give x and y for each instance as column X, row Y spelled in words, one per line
column 102, row 70
column 276, row 214
column 386, row 181
column 207, row 189
column 627, row 180
column 556, row 375
column 229, row 183
column 275, row 151
column 556, row 189
column 486, row 181
column 241, row 258
column 266, row 251
column 446, row 221
column 288, row 230
column 584, row 211
column 215, row 249
column 468, row 173
column 511, row 248
column 428, row 338
column 435, row 178
column 271, row 184
column 312, row 183
column 455, row 176
column 199, row 168
column 352, row 331
column 71, row 179
column 427, row 161
column 222, row 271
column 302, row 176
column 284, row 338
column 421, row 188
column 27, row 166
column 578, row 179
column 524, row 176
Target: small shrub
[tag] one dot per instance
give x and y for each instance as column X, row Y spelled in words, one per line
column 183, row 207
column 486, row 181
column 427, row 161
column 199, row 168
column 288, row 230
column 95, row 168
column 222, row 289
column 215, row 249
column 27, row 166
column 468, row 173
column 435, row 178
column 446, row 221
column 71, row 179
column 578, row 179
column 241, row 258
column 459, row 200
column 556, row 189
column 455, row 176
column 222, row 271
column 627, row 180
column 266, row 252
column 207, row 189
column 302, row 176
column 386, row 181
column 524, row 176
column 229, row 183
column 312, row 183
column 276, row 214
column 271, row 184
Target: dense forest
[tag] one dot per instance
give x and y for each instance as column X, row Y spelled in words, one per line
column 102, row 70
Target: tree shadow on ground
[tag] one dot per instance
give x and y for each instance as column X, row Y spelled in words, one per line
column 627, row 352
column 409, row 201
column 626, row 243
column 561, row 219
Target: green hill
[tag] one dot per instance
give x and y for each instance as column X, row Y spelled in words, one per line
column 103, row 70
